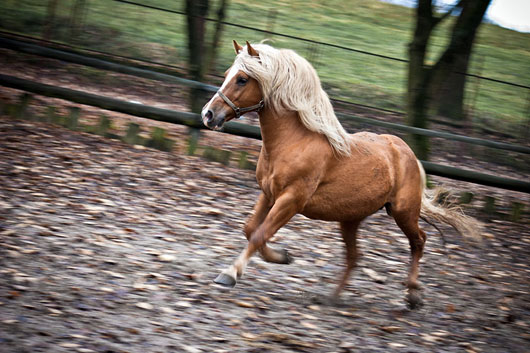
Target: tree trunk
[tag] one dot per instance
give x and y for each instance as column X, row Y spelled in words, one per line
column 418, row 77
column 425, row 82
column 196, row 11
column 77, row 19
column 50, row 19
column 212, row 54
column 449, row 88
column 449, row 101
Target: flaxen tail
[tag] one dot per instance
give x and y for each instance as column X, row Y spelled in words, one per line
column 432, row 213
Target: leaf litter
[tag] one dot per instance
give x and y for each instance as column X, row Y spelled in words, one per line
column 114, row 248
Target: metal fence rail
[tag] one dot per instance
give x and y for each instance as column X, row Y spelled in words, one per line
column 110, row 66
column 440, row 134
column 194, row 120
column 86, row 60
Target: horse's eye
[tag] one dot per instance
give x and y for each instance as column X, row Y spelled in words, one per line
column 241, row 81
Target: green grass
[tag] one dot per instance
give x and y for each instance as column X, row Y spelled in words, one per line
column 367, row 25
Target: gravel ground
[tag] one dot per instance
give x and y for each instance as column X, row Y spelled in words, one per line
column 107, row 247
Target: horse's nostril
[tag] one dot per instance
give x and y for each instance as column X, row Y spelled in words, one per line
column 209, row 116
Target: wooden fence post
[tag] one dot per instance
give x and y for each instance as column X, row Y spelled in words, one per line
column 193, row 141
column 22, row 109
column 517, row 211
column 224, row 157
column 466, row 197
column 243, row 160
column 103, row 126
column 159, row 141
column 489, row 205
column 208, row 153
column 50, row 19
column 77, row 18
column 271, row 20
column 49, row 115
column 72, row 121
column 131, row 136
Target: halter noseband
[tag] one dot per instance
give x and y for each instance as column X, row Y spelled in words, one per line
column 241, row 111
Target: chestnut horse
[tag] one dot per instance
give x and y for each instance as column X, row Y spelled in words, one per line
column 310, row 165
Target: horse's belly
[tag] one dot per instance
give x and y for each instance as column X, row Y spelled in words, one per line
column 344, row 205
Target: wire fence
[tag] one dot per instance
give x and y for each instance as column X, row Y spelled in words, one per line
column 368, row 79
column 307, row 40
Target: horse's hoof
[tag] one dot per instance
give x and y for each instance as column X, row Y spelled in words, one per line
column 225, row 280
column 280, row 256
column 414, row 300
column 328, row 300
column 287, row 259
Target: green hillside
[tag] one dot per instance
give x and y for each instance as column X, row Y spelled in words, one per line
column 366, row 25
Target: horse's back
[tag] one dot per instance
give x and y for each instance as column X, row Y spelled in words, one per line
column 389, row 147
column 399, row 157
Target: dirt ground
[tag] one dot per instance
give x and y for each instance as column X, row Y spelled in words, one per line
column 107, row 247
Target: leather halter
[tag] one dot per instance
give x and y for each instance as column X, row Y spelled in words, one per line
column 241, row 111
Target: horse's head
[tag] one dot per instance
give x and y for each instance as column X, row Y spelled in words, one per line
column 239, row 94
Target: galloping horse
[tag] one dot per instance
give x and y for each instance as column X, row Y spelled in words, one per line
column 310, row 165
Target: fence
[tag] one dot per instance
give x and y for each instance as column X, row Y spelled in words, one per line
column 389, row 97
column 193, row 120
column 115, row 67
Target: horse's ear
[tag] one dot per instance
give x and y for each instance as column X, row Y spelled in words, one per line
column 251, row 51
column 237, row 47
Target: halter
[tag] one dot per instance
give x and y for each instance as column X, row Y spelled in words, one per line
column 241, row 111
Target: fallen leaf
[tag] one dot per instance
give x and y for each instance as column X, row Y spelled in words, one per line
column 145, row 306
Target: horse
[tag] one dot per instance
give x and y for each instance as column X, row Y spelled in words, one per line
column 310, row 165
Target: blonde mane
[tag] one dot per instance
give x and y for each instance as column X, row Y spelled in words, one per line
column 289, row 82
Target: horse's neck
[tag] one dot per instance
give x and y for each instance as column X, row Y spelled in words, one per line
column 278, row 131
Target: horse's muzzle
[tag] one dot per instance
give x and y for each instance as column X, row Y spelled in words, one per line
column 213, row 121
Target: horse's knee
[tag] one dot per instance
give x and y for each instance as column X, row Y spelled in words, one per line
column 257, row 240
column 416, row 252
column 248, row 229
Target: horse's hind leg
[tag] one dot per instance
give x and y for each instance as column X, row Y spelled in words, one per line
column 349, row 235
column 408, row 222
column 261, row 210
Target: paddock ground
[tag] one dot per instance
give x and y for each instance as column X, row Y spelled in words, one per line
column 108, row 247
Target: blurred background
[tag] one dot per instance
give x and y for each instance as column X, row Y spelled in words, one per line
column 443, row 65
column 359, row 48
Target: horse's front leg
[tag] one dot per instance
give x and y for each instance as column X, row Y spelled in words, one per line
column 285, row 207
column 261, row 210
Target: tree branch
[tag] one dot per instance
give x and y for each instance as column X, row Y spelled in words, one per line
column 437, row 20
